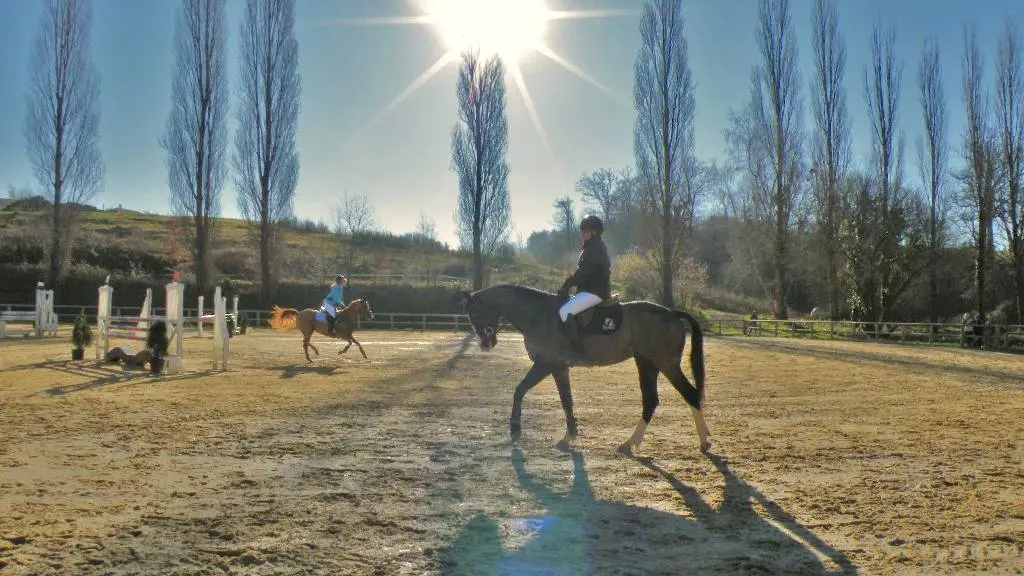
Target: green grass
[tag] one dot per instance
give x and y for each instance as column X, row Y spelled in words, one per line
column 305, row 253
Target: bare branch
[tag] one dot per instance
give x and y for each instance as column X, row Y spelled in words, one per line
column 266, row 162
column 882, row 87
column 933, row 159
column 479, row 158
column 354, row 215
column 1010, row 124
column 598, row 189
column 831, row 141
column 775, row 148
column 663, row 136
column 62, row 126
column 196, row 134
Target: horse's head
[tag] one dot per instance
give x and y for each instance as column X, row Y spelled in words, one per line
column 485, row 320
column 365, row 312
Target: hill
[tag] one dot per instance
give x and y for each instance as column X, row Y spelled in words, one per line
column 149, row 248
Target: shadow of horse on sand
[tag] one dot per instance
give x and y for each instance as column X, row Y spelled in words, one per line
column 582, row 535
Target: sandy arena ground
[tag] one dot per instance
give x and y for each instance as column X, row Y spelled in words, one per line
column 830, row 458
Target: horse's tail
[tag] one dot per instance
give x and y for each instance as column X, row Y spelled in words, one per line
column 283, row 319
column 696, row 350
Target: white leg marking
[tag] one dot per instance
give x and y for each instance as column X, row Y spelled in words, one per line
column 636, row 439
column 702, row 429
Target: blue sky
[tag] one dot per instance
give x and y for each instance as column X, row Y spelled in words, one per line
column 401, row 161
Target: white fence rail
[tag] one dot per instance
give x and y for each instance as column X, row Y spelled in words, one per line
column 920, row 332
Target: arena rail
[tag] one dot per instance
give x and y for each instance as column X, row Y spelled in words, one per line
column 1011, row 336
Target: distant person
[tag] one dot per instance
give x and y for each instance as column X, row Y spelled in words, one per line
column 335, row 299
column 592, row 280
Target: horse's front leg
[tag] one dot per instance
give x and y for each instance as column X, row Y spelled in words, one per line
column 363, row 352
column 537, row 373
column 565, row 395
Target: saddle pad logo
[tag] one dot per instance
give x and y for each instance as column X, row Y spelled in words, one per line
column 608, row 325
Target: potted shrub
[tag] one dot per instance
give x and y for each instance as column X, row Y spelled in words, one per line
column 157, row 344
column 81, row 336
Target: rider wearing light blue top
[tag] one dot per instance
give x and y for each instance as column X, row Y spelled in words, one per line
column 335, row 299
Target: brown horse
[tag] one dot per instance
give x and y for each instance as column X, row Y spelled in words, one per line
column 284, row 319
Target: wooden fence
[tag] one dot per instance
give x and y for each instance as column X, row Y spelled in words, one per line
column 1002, row 337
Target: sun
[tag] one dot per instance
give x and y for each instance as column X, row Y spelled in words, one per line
column 510, row 29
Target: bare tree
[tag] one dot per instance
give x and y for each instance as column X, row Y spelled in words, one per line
column 882, row 87
column 196, row 134
column 663, row 141
column 266, row 162
column 425, row 228
column 598, row 188
column 62, row 126
column 479, row 158
column 1010, row 124
column 565, row 225
column 932, row 153
column 776, row 111
column 831, row 142
column 980, row 155
column 354, row 216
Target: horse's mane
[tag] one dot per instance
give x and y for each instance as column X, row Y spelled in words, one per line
column 352, row 303
column 520, row 290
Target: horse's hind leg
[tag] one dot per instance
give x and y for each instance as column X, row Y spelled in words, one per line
column 649, row 395
column 345, row 349
column 306, row 345
column 678, row 379
column 565, row 395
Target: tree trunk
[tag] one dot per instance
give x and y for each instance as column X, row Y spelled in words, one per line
column 266, row 277
column 1020, row 293
column 56, row 248
column 979, row 269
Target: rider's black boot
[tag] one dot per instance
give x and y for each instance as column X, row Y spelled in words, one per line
column 572, row 329
column 330, row 324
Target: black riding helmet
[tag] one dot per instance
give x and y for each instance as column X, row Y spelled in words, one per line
column 592, row 223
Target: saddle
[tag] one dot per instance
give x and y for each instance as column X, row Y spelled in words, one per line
column 605, row 318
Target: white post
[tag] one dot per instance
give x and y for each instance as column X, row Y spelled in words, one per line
column 199, row 316
column 220, row 331
column 176, row 322
column 40, row 296
column 106, row 295
column 234, row 312
column 143, row 326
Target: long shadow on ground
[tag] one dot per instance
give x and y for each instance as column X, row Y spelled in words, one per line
column 582, row 535
column 857, row 356
column 101, row 375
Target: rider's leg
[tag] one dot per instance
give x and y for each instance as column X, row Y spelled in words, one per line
column 329, row 312
column 569, row 313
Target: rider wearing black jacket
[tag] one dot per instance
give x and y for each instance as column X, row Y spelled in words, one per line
column 592, row 279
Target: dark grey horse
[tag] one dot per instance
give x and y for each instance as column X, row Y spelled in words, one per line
column 652, row 335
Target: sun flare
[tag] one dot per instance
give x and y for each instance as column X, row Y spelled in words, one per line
column 509, row 28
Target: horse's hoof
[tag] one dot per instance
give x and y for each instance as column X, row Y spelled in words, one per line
column 565, row 444
column 705, row 448
column 626, row 449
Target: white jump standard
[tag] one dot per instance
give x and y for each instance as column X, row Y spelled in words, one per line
column 202, row 318
column 43, row 318
column 117, row 326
